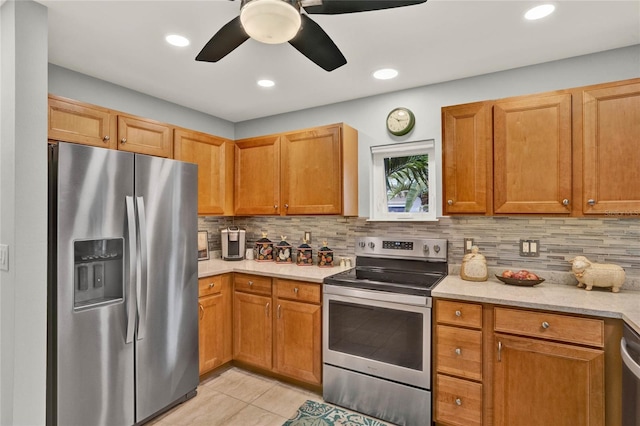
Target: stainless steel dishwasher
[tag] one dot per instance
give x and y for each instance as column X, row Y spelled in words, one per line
column 630, row 351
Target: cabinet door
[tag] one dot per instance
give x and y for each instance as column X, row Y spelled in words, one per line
column 215, row 331
column 299, row 340
column 144, row 136
column 214, row 157
column 252, row 329
column 72, row 121
column 611, row 150
column 257, row 176
column 532, row 155
column 467, row 155
column 311, row 171
column 546, row 383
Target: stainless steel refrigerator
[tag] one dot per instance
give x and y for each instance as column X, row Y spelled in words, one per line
column 123, row 286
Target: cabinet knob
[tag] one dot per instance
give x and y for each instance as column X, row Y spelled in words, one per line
column 210, row 285
column 106, row 138
column 275, row 207
column 458, row 351
column 458, row 313
column 250, row 283
column 123, row 140
column 458, row 401
column 545, row 325
column 591, row 202
column 565, row 202
column 286, row 206
column 450, row 202
column 295, row 290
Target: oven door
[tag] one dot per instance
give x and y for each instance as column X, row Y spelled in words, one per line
column 381, row 334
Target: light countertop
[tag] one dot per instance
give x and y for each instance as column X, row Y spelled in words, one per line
column 271, row 269
column 547, row 296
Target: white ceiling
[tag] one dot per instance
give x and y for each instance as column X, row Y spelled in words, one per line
column 123, row 42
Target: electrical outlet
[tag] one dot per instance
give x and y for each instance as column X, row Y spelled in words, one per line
column 524, row 248
column 307, row 237
column 468, row 243
column 4, row 257
column 530, row 248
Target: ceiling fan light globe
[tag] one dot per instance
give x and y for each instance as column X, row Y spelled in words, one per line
column 270, row 21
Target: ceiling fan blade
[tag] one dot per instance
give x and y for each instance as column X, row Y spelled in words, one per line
column 223, row 42
column 334, row 7
column 316, row 45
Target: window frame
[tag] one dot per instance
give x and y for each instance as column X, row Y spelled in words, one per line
column 379, row 210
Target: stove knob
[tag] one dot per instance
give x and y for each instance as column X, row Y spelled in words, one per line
column 425, row 249
column 362, row 244
column 436, row 248
column 372, row 245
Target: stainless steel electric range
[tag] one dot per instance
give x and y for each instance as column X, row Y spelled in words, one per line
column 377, row 329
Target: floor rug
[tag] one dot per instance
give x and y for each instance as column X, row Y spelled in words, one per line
column 313, row 413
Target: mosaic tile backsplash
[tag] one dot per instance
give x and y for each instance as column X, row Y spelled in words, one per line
column 604, row 240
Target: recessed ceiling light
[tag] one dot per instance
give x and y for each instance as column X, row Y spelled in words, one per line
column 539, row 12
column 266, row 83
column 385, row 74
column 177, row 40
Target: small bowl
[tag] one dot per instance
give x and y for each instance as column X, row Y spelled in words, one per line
column 522, row 283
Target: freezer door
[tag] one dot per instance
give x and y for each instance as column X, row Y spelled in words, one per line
column 167, row 332
column 93, row 381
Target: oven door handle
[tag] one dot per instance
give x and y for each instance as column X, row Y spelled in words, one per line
column 628, row 360
column 406, row 299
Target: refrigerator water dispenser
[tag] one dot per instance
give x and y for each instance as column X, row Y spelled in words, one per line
column 99, row 268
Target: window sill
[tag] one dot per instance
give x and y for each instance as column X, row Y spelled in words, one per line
column 398, row 219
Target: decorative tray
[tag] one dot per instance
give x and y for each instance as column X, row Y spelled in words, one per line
column 523, row 283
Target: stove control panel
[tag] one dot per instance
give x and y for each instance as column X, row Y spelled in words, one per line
column 431, row 249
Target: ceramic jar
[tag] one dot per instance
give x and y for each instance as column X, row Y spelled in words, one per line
column 325, row 256
column 474, row 266
column 263, row 251
column 283, row 251
column 304, row 254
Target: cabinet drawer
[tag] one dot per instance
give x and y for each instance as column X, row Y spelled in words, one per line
column 458, row 402
column 459, row 313
column 209, row 285
column 459, row 352
column 296, row 290
column 584, row 331
column 252, row 284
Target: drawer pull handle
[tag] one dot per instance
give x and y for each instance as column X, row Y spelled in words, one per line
column 266, row 309
column 458, row 401
column 499, row 351
column 279, row 311
column 295, row 290
column 545, row 325
column 458, row 313
column 201, row 310
column 210, row 285
column 458, row 351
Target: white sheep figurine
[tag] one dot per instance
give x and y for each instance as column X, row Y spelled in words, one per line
column 591, row 274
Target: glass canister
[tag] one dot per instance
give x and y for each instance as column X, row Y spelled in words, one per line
column 325, row 256
column 304, row 254
column 283, row 251
column 264, row 249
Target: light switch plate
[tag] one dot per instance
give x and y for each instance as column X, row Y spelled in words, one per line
column 4, row 257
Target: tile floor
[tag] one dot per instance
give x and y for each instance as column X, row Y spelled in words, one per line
column 236, row 397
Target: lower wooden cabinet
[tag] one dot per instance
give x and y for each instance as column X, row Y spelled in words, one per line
column 215, row 332
column 505, row 366
column 278, row 326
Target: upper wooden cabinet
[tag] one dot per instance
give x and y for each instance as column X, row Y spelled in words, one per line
column 145, row 136
column 532, row 154
column 467, row 158
column 313, row 171
column 73, row 121
column 214, row 157
column 611, row 149
column 570, row 152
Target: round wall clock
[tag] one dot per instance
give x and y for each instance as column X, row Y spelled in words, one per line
column 400, row 121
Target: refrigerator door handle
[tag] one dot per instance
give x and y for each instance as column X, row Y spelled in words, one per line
column 142, row 287
column 131, row 291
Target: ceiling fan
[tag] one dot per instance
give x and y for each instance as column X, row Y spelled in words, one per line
column 279, row 21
